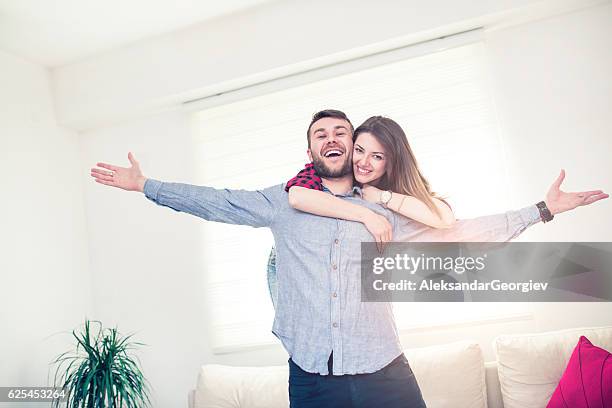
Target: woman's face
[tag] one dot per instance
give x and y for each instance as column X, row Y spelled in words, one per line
column 369, row 159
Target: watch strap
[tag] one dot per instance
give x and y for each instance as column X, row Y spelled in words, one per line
column 545, row 213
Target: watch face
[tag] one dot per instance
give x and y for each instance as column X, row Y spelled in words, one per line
column 385, row 196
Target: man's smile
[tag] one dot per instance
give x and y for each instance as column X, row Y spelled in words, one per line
column 333, row 153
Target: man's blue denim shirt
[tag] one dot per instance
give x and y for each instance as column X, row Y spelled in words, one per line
column 318, row 260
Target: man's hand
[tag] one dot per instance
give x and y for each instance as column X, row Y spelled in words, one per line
column 127, row 178
column 559, row 201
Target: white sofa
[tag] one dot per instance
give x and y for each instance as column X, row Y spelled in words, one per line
column 526, row 372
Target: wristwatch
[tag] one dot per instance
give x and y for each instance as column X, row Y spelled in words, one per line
column 545, row 213
column 385, row 197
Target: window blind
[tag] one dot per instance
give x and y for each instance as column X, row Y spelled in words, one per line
column 443, row 103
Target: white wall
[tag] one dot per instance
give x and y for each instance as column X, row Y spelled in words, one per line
column 544, row 96
column 44, row 268
column 145, row 260
column 262, row 43
column 553, row 90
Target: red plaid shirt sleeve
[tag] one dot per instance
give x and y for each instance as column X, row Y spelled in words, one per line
column 307, row 177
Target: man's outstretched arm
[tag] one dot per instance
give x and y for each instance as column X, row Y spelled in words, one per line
column 254, row 208
column 498, row 227
column 490, row 228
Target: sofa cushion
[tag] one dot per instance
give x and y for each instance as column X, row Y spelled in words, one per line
column 530, row 365
column 587, row 380
column 221, row 386
column 449, row 375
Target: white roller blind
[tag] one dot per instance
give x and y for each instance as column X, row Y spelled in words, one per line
column 442, row 102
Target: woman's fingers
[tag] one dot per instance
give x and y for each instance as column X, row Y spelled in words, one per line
column 381, row 231
column 385, row 238
column 388, row 231
column 383, row 241
column 379, row 244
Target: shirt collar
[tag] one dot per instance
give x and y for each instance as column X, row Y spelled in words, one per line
column 355, row 191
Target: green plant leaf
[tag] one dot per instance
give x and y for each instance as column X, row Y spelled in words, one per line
column 100, row 372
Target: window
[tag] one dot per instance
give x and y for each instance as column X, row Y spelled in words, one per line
column 442, row 102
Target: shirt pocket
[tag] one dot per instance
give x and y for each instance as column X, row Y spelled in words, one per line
column 310, row 229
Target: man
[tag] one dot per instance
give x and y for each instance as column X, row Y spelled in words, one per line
column 343, row 352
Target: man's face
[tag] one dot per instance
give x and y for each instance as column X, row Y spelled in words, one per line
column 331, row 147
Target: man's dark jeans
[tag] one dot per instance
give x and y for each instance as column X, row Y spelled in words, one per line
column 393, row 386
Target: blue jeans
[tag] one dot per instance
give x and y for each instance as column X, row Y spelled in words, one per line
column 393, row 386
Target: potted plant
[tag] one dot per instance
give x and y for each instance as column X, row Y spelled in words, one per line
column 101, row 372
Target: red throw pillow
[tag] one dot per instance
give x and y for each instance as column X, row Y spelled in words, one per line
column 587, row 379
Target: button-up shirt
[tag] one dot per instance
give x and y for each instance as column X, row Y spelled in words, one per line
column 318, row 264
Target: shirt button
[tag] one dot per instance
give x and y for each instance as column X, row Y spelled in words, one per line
column 335, row 294
column 334, row 266
column 336, row 241
column 335, row 324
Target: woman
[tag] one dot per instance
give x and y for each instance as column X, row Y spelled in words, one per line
column 382, row 161
column 385, row 168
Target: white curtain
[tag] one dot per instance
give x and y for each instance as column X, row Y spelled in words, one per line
column 443, row 103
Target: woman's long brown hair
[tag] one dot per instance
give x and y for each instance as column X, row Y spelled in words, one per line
column 402, row 174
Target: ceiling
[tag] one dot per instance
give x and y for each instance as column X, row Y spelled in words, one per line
column 58, row 32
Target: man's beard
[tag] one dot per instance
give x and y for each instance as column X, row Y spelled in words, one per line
column 325, row 172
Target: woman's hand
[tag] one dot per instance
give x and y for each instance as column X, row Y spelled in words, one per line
column 371, row 193
column 379, row 227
